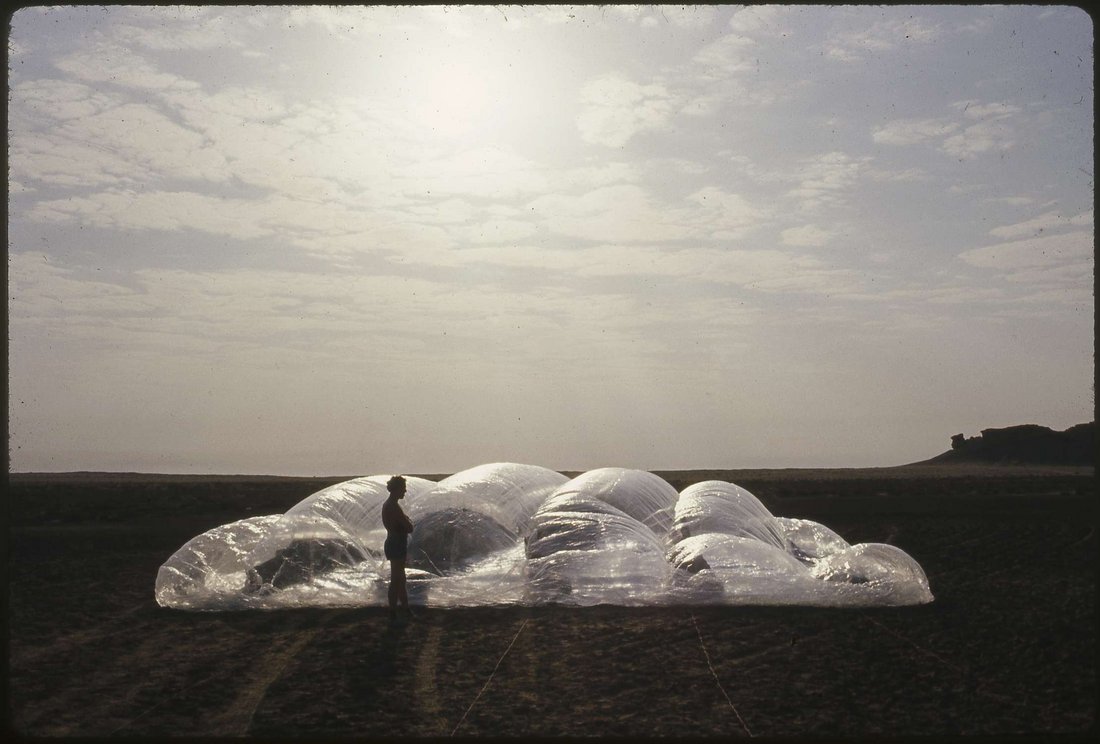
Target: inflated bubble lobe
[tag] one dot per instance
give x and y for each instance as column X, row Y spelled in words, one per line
column 507, row 533
column 718, row 506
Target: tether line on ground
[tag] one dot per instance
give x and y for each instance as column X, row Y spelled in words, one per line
column 484, row 686
column 979, row 686
column 715, row 675
column 916, row 645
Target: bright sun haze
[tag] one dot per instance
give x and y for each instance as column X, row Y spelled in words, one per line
column 354, row 240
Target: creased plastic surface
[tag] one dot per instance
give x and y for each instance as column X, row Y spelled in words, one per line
column 506, row 533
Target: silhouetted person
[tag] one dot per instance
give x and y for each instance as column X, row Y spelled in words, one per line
column 398, row 527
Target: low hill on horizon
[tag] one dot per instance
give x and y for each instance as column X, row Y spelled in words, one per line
column 1029, row 444
column 1026, row 444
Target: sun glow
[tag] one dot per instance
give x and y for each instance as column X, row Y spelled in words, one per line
column 457, row 100
column 479, row 89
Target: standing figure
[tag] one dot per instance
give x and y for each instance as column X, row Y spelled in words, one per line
column 398, row 527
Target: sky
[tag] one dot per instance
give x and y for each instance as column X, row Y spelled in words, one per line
column 327, row 240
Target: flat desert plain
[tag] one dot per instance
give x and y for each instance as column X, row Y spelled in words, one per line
column 1008, row 647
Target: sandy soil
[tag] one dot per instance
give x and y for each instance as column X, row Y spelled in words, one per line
column 1008, row 647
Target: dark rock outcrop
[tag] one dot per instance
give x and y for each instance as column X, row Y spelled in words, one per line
column 1025, row 444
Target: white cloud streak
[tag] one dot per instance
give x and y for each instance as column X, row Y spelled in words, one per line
column 487, row 199
column 616, row 110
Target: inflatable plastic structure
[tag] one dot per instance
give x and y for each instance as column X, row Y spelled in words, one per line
column 505, row 533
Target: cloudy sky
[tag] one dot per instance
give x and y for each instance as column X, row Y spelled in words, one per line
column 324, row 240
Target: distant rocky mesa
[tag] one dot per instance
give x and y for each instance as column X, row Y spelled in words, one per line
column 1026, row 444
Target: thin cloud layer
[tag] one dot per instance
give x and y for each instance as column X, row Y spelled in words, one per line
column 707, row 228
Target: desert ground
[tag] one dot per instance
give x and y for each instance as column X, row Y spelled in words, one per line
column 1008, row 647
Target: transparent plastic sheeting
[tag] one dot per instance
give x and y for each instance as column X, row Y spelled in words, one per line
column 505, row 533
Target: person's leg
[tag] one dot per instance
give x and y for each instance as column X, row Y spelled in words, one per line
column 396, row 588
column 402, row 589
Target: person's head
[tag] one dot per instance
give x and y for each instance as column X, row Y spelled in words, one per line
column 396, row 486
